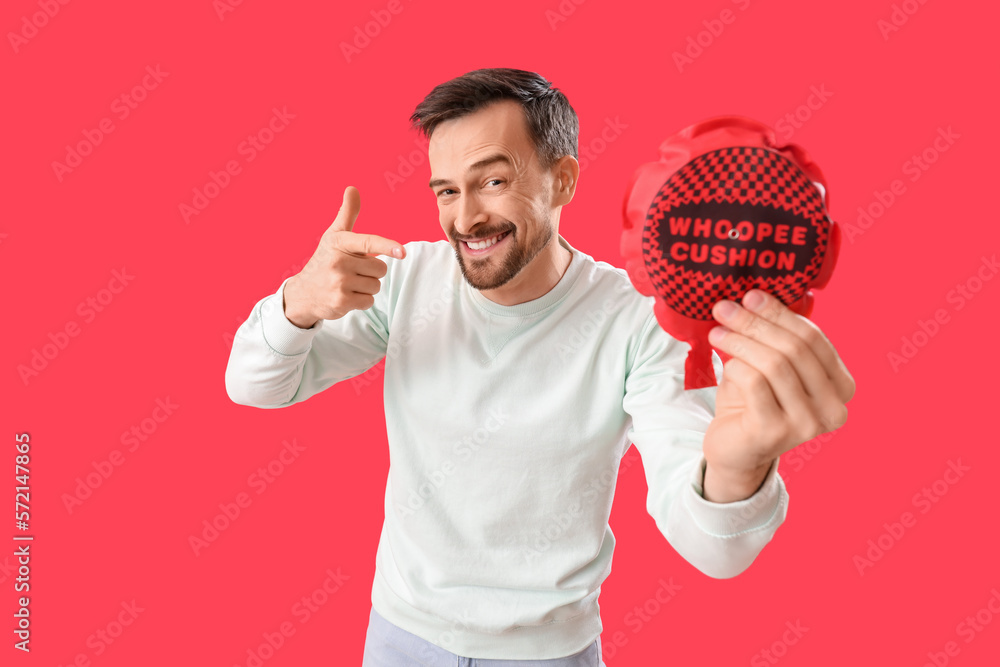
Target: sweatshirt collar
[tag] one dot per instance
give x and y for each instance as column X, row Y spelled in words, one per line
column 550, row 298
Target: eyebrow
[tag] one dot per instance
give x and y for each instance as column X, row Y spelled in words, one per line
column 475, row 166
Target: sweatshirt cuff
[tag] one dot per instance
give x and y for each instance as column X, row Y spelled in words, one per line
column 730, row 519
column 280, row 334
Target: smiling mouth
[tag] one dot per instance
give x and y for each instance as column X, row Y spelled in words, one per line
column 482, row 245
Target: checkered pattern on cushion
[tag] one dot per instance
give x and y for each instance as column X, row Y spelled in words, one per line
column 751, row 176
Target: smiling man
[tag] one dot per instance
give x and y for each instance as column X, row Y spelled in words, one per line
column 504, row 228
column 518, row 371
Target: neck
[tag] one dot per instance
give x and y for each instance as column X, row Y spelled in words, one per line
column 540, row 276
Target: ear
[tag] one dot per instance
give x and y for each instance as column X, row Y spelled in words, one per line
column 565, row 172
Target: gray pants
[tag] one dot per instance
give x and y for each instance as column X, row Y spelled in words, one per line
column 387, row 645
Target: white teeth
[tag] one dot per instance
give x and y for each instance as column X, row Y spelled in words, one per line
column 479, row 245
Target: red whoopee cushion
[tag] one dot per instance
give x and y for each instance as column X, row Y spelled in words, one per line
column 726, row 209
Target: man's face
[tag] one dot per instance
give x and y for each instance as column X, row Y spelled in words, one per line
column 490, row 188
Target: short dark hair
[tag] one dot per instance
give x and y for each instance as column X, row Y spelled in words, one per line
column 552, row 123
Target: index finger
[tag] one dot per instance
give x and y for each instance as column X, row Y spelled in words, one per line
column 368, row 244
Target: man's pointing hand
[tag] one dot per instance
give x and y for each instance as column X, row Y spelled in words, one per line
column 343, row 274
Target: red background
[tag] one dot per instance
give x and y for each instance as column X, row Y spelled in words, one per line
column 167, row 333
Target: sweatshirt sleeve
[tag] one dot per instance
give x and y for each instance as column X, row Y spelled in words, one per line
column 668, row 425
column 274, row 364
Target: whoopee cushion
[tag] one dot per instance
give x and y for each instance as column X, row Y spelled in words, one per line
column 725, row 209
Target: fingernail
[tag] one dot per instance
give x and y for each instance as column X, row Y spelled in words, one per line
column 753, row 300
column 726, row 308
column 397, row 253
column 716, row 335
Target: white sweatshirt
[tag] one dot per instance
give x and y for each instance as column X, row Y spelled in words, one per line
column 506, row 426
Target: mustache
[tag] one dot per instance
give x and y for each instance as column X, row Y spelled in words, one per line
column 482, row 235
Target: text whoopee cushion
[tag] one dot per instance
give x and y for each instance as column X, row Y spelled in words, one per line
column 725, row 210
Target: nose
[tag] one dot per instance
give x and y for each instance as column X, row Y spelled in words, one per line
column 470, row 213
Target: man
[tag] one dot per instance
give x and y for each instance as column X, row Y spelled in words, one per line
column 515, row 379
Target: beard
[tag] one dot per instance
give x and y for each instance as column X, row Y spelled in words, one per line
column 494, row 271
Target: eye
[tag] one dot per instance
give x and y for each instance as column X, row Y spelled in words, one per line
column 498, row 180
column 444, row 191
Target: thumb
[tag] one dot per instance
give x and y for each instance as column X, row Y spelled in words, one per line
column 348, row 212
